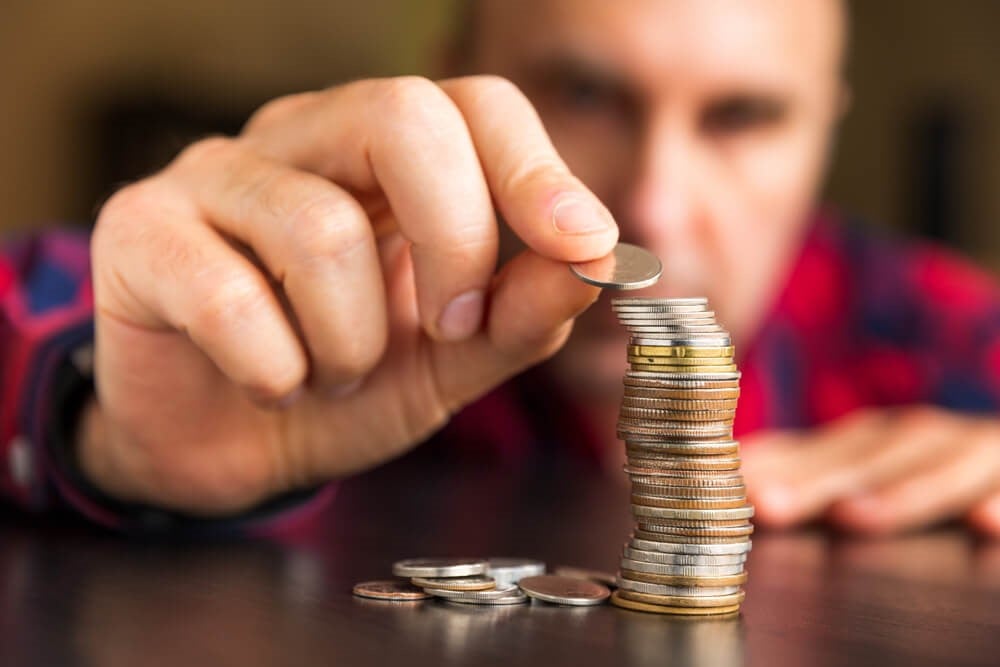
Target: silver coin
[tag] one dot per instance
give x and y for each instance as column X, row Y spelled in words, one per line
column 690, row 313
column 474, row 583
column 439, row 567
column 684, row 591
column 565, row 590
column 700, row 560
column 507, row 571
column 730, row 514
column 517, row 597
column 690, row 548
column 470, row 596
column 649, row 302
column 682, row 570
column 687, row 340
column 626, row 267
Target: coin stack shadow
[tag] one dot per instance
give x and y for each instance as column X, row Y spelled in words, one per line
column 687, row 552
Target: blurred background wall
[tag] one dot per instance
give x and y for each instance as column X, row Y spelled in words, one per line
column 99, row 92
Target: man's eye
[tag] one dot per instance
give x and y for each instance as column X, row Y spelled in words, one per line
column 585, row 94
column 741, row 114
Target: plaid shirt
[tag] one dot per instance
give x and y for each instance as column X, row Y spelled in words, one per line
column 863, row 320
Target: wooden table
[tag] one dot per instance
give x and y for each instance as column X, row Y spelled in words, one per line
column 72, row 595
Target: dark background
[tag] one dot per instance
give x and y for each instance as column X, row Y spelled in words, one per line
column 99, row 92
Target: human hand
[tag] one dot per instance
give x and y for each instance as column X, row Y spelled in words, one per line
column 319, row 294
column 879, row 471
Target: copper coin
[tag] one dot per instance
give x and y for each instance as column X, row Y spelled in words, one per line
column 648, row 536
column 657, row 414
column 678, row 404
column 696, row 463
column 392, row 590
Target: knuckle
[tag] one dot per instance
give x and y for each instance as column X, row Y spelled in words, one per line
column 491, row 88
column 276, row 112
column 227, row 300
column 413, row 100
column 325, row 225
column 208, row 150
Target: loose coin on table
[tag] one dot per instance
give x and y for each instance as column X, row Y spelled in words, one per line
column 439, row 567
column 508, row 571
column 564, row 590
column 392, row 590
column 626, row 267
column 474, row 583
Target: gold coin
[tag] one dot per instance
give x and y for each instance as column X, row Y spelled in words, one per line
column 714, row 601
column 680, row 351
column 681, row 580
column 665, row 530
column 687, row 463
column 625, row 603
column 669, row 450
column 684, row 405
column 687, row 503
column 654, row 368
column 680, row 361
column 472, row 583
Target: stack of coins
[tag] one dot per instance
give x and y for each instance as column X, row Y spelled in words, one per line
column 692, row 534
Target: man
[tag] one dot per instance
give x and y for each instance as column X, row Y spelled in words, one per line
column 319, row 294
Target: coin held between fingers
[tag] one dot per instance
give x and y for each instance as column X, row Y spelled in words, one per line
column 626, row 267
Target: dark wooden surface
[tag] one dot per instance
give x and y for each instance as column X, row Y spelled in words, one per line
column 72, row 595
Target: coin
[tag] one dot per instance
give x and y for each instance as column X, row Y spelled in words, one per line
column 701, row 560
column 658, row 415
column 689, row 492
column 605, row 578
column 439, row 567
column 626, row 267
column 474, row 583
column 392, row 590
column 701, row 601
column 683, row 405
column 696, row 548
column 472, row 596
column 687, row 503
column 703, row 514
column 680, row 351
column 687, row 539
column 646, row 302
column 712, row 583
column 626, row 583
column 516, row 597
column 629, row 565
column 508, row 571
column 633, row 605
column 564, row 590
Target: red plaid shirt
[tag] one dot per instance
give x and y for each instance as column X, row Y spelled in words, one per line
column 863, row 320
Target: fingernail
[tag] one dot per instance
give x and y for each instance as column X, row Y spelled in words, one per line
column 461, row 318
column 576, row 215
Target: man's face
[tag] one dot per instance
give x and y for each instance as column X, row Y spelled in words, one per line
column 703, row 124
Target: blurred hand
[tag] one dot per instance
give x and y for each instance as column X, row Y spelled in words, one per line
column 319, row 294
column 879, row 471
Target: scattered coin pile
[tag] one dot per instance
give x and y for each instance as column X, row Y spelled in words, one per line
column 686, row 554
column 493, row 581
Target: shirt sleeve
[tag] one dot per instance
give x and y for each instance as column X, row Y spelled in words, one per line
column 46, row 343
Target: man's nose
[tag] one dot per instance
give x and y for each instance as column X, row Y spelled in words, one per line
column 661, row 204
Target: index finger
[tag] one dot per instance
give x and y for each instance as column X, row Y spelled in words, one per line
column 537, row 195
